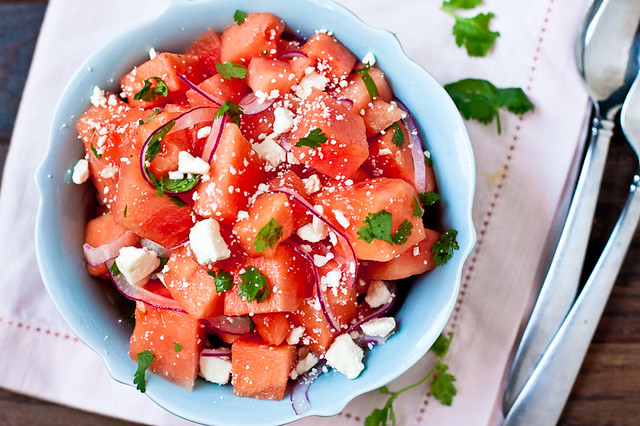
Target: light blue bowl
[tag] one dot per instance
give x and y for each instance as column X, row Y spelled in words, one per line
column 88, row 306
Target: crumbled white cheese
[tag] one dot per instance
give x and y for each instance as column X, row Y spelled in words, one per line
column 176, row 175
column 187, row 163
column 109, row 172
column 308, row 82
column 294, row 336
column 304, row 364
column 331, row 279
column 314, row 231
column 377, row 294
column 341, row 218
column 204, row 132
column 385, row 151
column 312, row 184
column 152, row 53
column 97, row 97
column 270, row 151
column 137, row 264
column 320, row 260
column 379, row 327
column 345, row 356
column 369, row 59
column 80, row 172
column 215, row 369
column 283, row 121
column 207, row 243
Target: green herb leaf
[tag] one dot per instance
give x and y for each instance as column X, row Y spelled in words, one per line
column 179, row 185
column 145, row 358
column 268, row 236
column 150, row 93
column 154, row 146
column 231, row 70
column 163, row 261
column 372, row 89
column 239, row 16
column 398, row 136
column 474, row 33
column 444, row 247
column 417, row 210
column 404, row 230
column 176, row 346
column 460, row 4
column 95, row 152
column 480, row 100
column 149, row 118
column 313, row 140
column 115, row 271
column 232, row 110
column 378, row 226
column 254, row 285
column 441, row 346
column 177, row 201
column 378, row 417
column 124, row 213
column 429, row 198
column 222, row 280
column 442, row 387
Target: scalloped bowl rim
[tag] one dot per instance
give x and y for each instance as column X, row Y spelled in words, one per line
column 102, row 329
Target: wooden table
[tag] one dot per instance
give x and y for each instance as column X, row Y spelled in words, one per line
column 608, row 388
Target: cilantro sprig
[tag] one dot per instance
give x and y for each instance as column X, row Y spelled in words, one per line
column 268, row 236
column 428, row 198
column 149, row 92
column 155, row 143
column 480, row 100
column 177, row 347
column 372, row 89
column 472, row 33
column 378, row 226
column 444, row 247
column 95, row 152
column 314, row 139
column 230, row 70
column 145, row 358
column 254, row 285
column 442, row 387
column 239, row 17
column 156, row 111
column 398, row 136
column 222, row 280
column 233, row 111
column 165, row 184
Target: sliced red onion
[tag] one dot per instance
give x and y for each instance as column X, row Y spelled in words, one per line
column 300, row 391
column 96, row 256
column 366, row 340
column 155, row 247
column 216, row 352
column 290, row 54
column 199, row 91
column 140, row 294
column 251, row 104
column 347, row 103
column 229, row 324
column 285, row 141
column 393, row 289
column 419, row 165
column 213, row 140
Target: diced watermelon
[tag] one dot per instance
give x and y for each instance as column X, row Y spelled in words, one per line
column 286, row 276
column 417, row 260
column 333, row 59
column 356, row 202
column 386, row 159
column 219, row 87
column 267, row 75
column 191, row 285
column 260, row 370
column 357, row 91
column 381, row 115
column 266, row 208
column 258, row 35
column 207, row 48
column 299, row 65
column 273, row 328
column 346, row 147
column 289, row 180
column 235, row 173
column 167, row 158
column 159, row 330
column 98, row 231
column 253, row 126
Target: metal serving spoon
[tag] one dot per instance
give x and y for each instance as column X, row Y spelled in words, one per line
column 545, row 394
column 606, row 54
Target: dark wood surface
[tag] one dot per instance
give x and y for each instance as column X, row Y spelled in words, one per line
column 607, row 391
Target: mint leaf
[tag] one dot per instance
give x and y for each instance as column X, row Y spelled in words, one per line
column 268, row 236
column 231, row 70
column 254, row 285
column 313, row 140
column 150, row 93
column 145, row 358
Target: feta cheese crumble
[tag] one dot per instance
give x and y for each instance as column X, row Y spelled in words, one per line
column 80, row 172
column 379, row 327
column 345, row 356
column 187, row 163
column 207, row 243
column 369, row 58
column 215, row 369
column 270, row 151
column 308, row 82
column 137, row 264
column 97, row 97
column 283, row 121
column 377, row 294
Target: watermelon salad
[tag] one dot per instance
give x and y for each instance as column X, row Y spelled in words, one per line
column 259, row 196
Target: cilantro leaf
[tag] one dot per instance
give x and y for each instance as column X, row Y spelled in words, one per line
column 404, row 230
column 149, row 93
column 429, row 198
column 474, row 33
column 124, row 213
column 232, row 110
column 254, row 285
column 376, row 225
column 378, row 417
column 231, row 70
column 177, row 201
column 480, row 100
column 149, row 118
column 313, row 139
column 176, row 346
column 460, row 4
column 269, row 236
column 239, row 16
column 115, row 271
column 444, row 247
column 179, row 185
column 95, row 152
column 442, row 387
column 398, row 136
column 441, row 346
column 154, row 146
column 222, row 280
column 417, row 210
column 145, row 358
column 368, row 81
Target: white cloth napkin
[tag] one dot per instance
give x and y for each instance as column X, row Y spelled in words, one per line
column 521, row 175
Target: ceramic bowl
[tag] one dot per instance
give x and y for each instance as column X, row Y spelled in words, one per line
column 92, row 309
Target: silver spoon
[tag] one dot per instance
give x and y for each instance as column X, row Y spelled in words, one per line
column 545, row 394
column 607, row 60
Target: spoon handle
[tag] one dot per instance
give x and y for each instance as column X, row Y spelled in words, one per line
column 545, row 394
column 559, row 288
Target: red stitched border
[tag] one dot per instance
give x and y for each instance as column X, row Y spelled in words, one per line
column 468, row 274
column 25, row 326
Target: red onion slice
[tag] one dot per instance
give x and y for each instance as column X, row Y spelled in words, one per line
column 229, row 324
column 140, row 294
column 251, row 104
column 155, row 247
column 96, row 256
column 199, row 91
column 300, row 391
column 366, row 340
column 347, row 103
column 216, row 352
column 290, row 54
column 393, row 289
column 415, row 143
column 213, row 140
